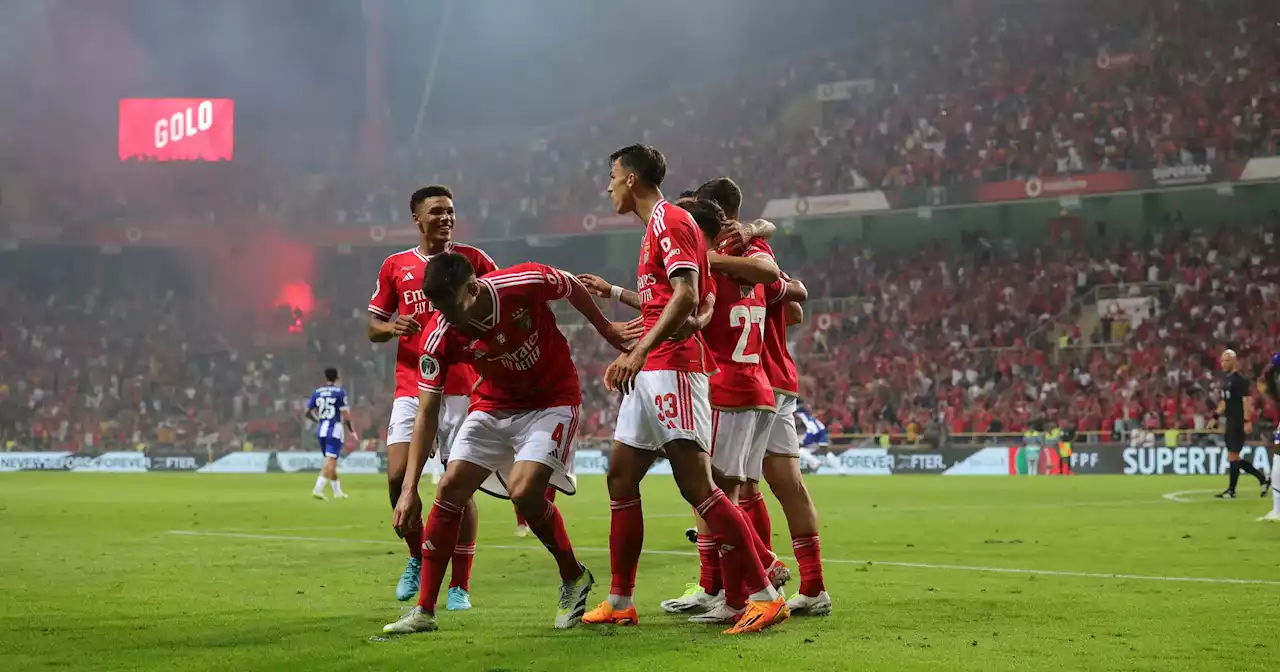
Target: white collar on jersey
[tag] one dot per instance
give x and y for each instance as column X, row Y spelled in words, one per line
column 491, row 321
column 417, row 249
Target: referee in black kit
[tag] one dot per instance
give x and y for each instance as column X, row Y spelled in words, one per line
column 1235, row 406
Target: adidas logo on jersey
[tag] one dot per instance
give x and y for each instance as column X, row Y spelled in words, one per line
column 408, row 276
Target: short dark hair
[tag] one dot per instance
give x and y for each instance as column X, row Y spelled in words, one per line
column 643, row 160
column 709, row 216
column 725, row 192
column 445, row 274
column 331, row 374
column 428, row 192
column 687, row 193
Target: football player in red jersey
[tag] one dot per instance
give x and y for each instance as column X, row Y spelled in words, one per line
column 781, row 466
column 666, row 400
column 397, row 310
column 732, row 322
column 517, row 438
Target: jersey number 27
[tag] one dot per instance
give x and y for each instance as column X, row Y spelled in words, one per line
column 745, row 318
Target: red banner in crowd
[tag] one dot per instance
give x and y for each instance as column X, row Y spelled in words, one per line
column 1057, row 187
column 177, row 129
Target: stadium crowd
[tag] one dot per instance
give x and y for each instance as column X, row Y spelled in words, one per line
column 937, row 340
column 1000, row 91
column 138, row 361
column 916, row 350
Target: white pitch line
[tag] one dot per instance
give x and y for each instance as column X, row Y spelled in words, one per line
column 1059, row 505
column 909, row 565
column 1180, row 496
column 293, row 529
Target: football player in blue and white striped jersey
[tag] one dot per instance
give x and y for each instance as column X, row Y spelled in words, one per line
column 328, row 409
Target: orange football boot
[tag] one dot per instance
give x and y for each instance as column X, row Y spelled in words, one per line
column 761, row 615
column 605, row 614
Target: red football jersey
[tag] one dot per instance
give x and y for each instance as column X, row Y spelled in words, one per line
column 779, row 368
column 672, row 242
column 522, row 359
column 735, row 336
column 399, row 290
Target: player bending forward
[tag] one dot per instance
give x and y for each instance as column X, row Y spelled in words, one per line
column 666, row 403
column 397, row 310
column 328, row 409
column 517, row 438
column 781, row 467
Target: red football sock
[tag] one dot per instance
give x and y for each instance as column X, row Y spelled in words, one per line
column 809, row 557
column 758, row 513
column 550, row 531
column 709, row 564
column 463, row 556
column 441, row 534
column 738, row 559
column 414, row 541
column 549, row 495
column 761, row 550
column 626, row 538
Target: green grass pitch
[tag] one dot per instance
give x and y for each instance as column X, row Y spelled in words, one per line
column 207, row 572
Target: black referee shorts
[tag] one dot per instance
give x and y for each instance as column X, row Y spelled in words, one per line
column 1234, row 437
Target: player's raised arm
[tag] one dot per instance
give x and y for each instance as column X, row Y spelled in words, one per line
column 735, row 237
column 754, row 270
column 604, row 289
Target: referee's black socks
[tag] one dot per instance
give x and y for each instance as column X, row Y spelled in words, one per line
column 1237, row 466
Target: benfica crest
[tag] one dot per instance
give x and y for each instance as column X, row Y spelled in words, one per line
column 522, row 319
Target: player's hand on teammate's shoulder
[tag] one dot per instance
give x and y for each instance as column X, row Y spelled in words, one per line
column 405, row 324
column 734, row 238
column 408, row 512
column 596, row 285
column 621, row 374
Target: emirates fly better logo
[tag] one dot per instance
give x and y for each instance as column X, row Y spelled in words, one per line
column 177, row 129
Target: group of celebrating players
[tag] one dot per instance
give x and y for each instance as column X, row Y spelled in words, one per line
column 484, row 375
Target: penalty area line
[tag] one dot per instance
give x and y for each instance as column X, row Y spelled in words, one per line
column 906, row 565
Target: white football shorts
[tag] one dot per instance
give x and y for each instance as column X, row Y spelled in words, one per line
column 453, row 410
column 665, row 406
column 496, row 441
column 404, row 410
column 783, row 439
column 738, row 441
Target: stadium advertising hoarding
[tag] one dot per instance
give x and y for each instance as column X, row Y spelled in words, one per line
column 1185, row 460
column 116, row 462
column 831, row 204
column 177, row 129
column 1002, row 460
